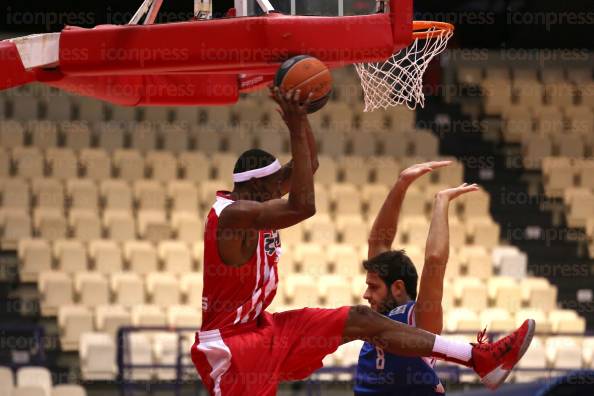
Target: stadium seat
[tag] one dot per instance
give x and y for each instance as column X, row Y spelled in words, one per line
column 188, row 226
column 162, row 165
column 223, row 164
column 16, row 224
column 68, row 390
column 32, row 376
column 195, row 166
column 344, row 260
column 564, row 352
column 128, row 289
column 334, row 290
column 28, row 391
column 58, row 107
column 534, row 359
column 497, row 320
column 116, row 194
column 414, row 203
column 364, row 144
column 44, row 134
column 462, row 319
column 96, row 164
column 321, row 229
column 110, row 136
column 165, row 350
column 97, row 352
column 28, row 162
column 92, row 289
column 374, row 196
column 56, row 290
column 424, row 144
column 4, row 164
column 188, row 114
column 208, row 191
column 48, row 193
column 62, row 163
column 588, row 354
column 271, row 140
column 50, row 224
column 510, row 261
column 384, row 170
column 184, row 196
column 119, row 225
column 207, row 138
column 140, row 353
column 175, row 137
column 477, row 261
column 184, row 316
column 394, row 143
column 149, row 194
column 109, row 318
column 143, row 137
column 483, row 231
column 141, row 257
column 353, row 230
column 535, row 148
column 73, row 321
column 12, row 134
column 414, row 229
column 34, row 257
column 567, row 321
column 15, row 194
column 333, row 143
column 539, row 293
column 471, row 293
column 83, row 193
column 86, row 225
column 581, row 207
column 163, row 289
column 6, row 380
column 505, row 293
column 474, row 205
column 301, row 290
column 312, row 258
column 346, row 198
column 543, row 326
column 354, row 170
column 585, row 171
column 322, row 197
column 191, row 287
column 129, row 164
column 153, row 225
column 90, row 109
column 77, row 135
column 176, row 257
column 25, row 107
column 148, row 315
column 70, row 255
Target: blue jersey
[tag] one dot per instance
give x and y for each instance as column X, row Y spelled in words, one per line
column 380, row 373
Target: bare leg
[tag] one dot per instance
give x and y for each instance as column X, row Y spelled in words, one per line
column 397, row 338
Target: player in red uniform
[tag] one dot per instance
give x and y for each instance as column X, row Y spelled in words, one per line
column 243, row 350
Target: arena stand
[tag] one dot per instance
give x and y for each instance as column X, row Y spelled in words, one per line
column 104, row 208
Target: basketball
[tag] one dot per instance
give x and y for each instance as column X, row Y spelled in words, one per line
column 308, row 74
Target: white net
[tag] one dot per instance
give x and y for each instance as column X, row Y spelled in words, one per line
column 399, row 79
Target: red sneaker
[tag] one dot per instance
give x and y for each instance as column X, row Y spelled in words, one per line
column 493, row 362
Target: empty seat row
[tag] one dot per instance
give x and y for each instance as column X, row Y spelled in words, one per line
column 34, row 381
column 106, row 256
column 93, row 289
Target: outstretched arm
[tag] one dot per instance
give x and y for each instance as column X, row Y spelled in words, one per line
column 428, row 309
column 385, row 225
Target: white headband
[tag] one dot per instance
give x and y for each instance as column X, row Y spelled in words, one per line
column 257, row 173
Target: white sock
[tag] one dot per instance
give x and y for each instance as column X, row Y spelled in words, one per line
column 448, row 348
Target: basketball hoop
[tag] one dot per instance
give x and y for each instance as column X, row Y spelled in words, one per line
column 399, row 79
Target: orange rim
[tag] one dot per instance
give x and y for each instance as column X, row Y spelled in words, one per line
column 423, row 29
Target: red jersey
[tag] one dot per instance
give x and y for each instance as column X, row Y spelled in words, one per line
column 234, row 295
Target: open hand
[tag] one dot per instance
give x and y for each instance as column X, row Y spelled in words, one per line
column 453, row 193
column 412, row 173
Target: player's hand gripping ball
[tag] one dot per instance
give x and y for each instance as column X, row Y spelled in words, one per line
column 308, row 74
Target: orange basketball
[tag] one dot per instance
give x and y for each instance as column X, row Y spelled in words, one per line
column 307, row 74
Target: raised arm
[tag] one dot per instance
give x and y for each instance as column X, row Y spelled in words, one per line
column 385, row 225
column 428, row 309
column 281, row 213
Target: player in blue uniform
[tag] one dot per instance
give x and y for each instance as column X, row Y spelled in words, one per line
column 392, row 290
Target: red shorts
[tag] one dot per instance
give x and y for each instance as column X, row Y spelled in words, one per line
column 252, row 358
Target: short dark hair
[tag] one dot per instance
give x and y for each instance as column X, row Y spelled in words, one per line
column 253, row 159
column 392, row 266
